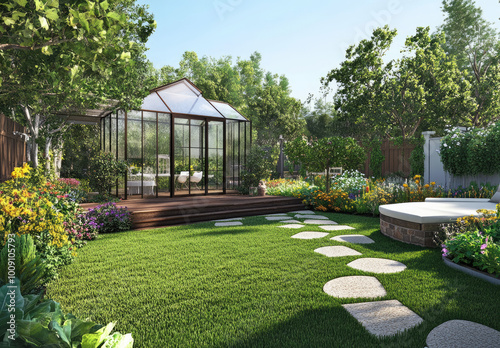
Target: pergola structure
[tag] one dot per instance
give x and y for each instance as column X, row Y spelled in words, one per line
column 178, row 143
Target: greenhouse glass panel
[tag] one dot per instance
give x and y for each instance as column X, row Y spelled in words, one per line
column 150, row 160
column 134, row 153
column 153, row 102
column 228, row 111
column 163, row 183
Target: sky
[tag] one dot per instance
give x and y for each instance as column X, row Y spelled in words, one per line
column 302, row 40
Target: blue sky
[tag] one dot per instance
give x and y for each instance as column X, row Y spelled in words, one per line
column 302, row 40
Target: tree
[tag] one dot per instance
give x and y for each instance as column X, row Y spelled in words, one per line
column 66, row 56
column 396, row 99
column 476, row 46
column 318, row 155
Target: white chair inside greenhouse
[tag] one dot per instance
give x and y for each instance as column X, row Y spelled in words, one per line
column 196, row 178
column 182, row 179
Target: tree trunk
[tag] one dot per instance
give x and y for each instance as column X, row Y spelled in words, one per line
column 48, row 146
column 58, row 160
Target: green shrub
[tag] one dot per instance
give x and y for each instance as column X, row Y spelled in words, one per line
column 29, row 267
column 41, row 323
column 473, row 152
column 261, row 161
column 417, row 157
column 104, row 170
column 376, row 157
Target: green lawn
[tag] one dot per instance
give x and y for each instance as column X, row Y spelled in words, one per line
column 254, row 286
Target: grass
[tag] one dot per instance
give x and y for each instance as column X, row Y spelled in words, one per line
column 254, row 286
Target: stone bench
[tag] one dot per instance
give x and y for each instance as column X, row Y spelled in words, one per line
column 417, row 222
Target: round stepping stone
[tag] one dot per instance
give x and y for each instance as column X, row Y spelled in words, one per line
column 302, row 212
column 353, row 238
column 292, row 226
column 230, row 219
column 320, row 222
column 317, row 217
column 384, row 318
column 355, row 287
column 229, row 223
column 463, row 334
column 336, row 227
column 337, row 251
column 277, row 218
column 375, row 265
column 310, row 235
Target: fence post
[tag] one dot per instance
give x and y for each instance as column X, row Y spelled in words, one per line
column 427, row 156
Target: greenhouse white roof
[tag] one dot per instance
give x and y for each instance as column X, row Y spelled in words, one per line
column 184, row 98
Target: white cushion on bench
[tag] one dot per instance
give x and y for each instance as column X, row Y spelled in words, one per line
column 430, row 212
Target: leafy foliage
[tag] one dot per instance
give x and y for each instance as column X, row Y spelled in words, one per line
column 104, row 170
column 29, row 267
column 422, row 89
column 475, row 44
column 472, row 152
column 261, row 161
column 417, row 157
column 41, row 323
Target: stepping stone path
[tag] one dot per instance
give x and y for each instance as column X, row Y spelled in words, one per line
column 290, row 222
column 355, row 287
column 303, row 212
column 463, row 334
column 317, row 217
column 229, row 223
column 337, row 251
column 310, row 235
column 384, row 318
column 336, row 227
column 231, row 219
column 375, row 265
column 353, row 238
column 320, row 222
column 292, row 226
column 277, row 214
column 277, row 218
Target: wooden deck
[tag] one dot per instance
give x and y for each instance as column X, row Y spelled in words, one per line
column 166, row 211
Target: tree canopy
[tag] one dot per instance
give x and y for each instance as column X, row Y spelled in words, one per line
column 65, row 55
column 395, row 99
column 476, row 46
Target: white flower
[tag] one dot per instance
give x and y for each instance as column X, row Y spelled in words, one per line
column 445, row 145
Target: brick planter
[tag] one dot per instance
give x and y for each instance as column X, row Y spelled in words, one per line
column 409, row 232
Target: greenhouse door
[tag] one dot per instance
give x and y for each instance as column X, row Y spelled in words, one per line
column 189, row 156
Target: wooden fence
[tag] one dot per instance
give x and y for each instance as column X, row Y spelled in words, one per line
column 397, row 159
column 12, row 147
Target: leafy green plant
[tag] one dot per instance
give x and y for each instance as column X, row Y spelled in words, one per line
column 29, row 267
column 104, row 170
column 417, row 157
column 41, row 323
column 376, row 157
column 260, row 163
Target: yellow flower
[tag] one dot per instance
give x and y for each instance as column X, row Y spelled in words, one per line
column 433, row 183
column 426, row 185
column 405, row 185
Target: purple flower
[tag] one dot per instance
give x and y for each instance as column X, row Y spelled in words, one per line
column 445, row 252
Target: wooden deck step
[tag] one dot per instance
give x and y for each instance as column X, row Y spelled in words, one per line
column 191, row 213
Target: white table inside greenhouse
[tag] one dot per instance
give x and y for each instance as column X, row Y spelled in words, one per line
column 149, row 183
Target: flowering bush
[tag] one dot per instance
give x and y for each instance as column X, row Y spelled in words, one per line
column 111, row 218
column 81, row 228
column 72, row 188
column 354, row 193
column 474, row 241
column 26, row 208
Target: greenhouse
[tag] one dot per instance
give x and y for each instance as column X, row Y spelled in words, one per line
column 178, row 143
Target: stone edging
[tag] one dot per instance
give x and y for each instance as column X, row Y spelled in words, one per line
column 471, row 271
